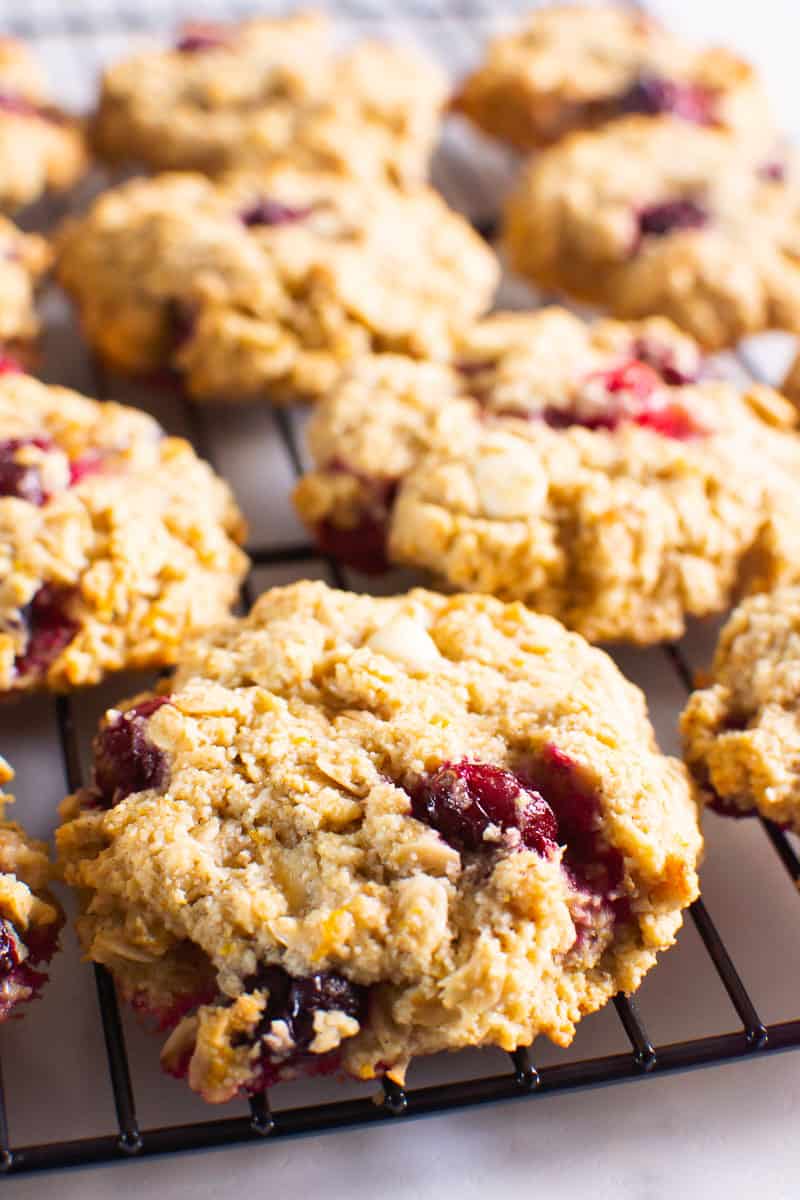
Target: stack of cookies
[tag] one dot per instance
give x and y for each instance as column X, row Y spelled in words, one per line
column 343, row 831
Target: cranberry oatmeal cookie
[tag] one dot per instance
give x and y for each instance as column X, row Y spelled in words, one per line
column 570, row 68
column 30, row 917
column 742, row 733
column 592, row 471
column 41, row 149
column 265, row 89
column 24, row 259
column 378, row 828
column 266, row 285
column 657, row 216
column 116, row 542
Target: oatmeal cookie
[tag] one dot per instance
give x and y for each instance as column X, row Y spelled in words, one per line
column 268, row 89
column 589, row 470
column 30, row 917
column 657, row 216
column 570, row 68
column 41, row 149
column 266, row 285
column 741, row 734
column 116, row 542
column 382, row 828
column 24, row 259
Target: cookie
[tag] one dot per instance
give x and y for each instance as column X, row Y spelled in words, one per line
column 378, row 828
column 791, row 384
column 592, row 471
column 741, row 734
column 30, row 917
column 266, row 285
column 571, row 68
column 654, row 215
column 116, row 542
column 268, row 89
column 41, row 149
column 24, row 259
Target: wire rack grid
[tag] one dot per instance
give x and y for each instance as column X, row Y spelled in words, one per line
column 79, row 40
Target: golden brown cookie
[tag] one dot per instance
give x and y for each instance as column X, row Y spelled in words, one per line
column 353, row 830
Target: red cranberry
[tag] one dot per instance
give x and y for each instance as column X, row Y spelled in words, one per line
column 654, row 94
column 662, row 359
column 125, row 760
column 49, row 630
column 594, row 867
column 88, row 464
column 197, row 38
column 21, row 480
column 362, row 546
column 773, row 171
column 296, row 1000
column 9, row 365
column 635, row 393
column 463, row 800
column 273, row 212
column 10, row 949
column 672, row 215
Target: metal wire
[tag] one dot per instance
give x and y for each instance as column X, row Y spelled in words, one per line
column 523, row 1079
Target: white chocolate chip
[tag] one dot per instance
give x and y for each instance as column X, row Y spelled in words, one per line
column 510, row 482
column 406, row 642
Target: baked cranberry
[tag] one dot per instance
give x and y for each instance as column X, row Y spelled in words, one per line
column 672, row 215
column 654, row 94
column 594, row 867
column 180, row 319
column 465, row 801
column 273, row 212
column 662, row 359
column 87, row 464
column 22, row 480
column 197, row 38
column 125, row 760
column 10, row 949
column 49, row 629
column 9, row 365
column 296, row 1000
column 362, row 546
column 773, row 171
column 634, row 392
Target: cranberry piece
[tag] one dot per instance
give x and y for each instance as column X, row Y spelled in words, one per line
column 635, row 393
column 88, row 464
column 10, row 949
column 662, row 359
column 9, row 365
column 773, row 171
column 49, row 628
column 273, row 212
column 21, row 480
column 296, row 1000
column 125, row 760
column 463, row 800
column 362, row 546
column 197, row 38
column 594, row 867
column 654, row 94
column 659, row 219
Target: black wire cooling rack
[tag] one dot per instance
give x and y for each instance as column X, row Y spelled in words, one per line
column 522, row 1079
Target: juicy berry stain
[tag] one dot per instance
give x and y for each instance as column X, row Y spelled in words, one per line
column 672, row 215
column 49, row 628
column 125, row 760
column 18, row 479
column 273, row 212
column 654, row 94
column 466, row 800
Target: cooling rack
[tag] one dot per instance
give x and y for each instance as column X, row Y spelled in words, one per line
column 261, row 452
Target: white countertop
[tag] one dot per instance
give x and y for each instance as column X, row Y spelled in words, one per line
column 726, row 1131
